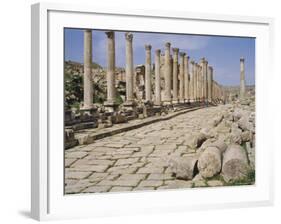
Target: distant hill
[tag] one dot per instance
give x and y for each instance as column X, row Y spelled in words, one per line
column 78, row 64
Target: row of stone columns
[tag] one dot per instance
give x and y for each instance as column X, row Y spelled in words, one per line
column 184, row 81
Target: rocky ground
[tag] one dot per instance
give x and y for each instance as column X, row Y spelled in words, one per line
column 213, row 146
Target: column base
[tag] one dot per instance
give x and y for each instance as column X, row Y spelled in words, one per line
column 130, row 105
column 181, row 101
column 175, row 101
column 110, row 106
column 167, row 102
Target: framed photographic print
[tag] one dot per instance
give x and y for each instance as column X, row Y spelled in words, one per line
column 148, row 111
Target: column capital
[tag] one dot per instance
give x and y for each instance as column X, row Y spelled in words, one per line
column 157, row 51
column 175, row 50
column 210, row 67
column 167, row 45
column 182, row 54
column 109, row 34
column 203, row 61
column 147, row 47
column 192, row 62
column 129, row 36
column 242, row 59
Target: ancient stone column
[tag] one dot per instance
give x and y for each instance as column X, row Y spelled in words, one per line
column 110, row 104
column 157, row 78
column 191, row 83
column 88, row 83
column 186, row 78
column 175, row 75
column 197, row 84
column 181, row 89
column 242, row 78
column 167, row 75
column 204, row 65
column 129, row 69
column 148, row 73
column 210, row 83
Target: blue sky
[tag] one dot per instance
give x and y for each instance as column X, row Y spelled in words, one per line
column 223, row 53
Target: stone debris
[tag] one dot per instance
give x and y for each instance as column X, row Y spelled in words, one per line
column 235, row 163
column 184, row 168
column 209, row 163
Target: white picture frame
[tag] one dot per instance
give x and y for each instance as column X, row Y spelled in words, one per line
column 48, row 201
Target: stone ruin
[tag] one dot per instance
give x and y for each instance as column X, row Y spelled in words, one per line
column 172, row 82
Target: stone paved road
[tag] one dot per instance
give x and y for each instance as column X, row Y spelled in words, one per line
column 137, row 159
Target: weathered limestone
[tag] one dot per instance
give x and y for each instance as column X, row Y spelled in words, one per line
column 191, row 83
column 235, row 164
column 129, row 70
column 209, row 162
column 88, row 83
column 242, row 78
column 181, row 89
column 210, row 83
column 148, row 73
column 186, row 78
column 110, row 104
column 205, row 79
column 184, row 168
column 195, row 84
column 167, row 76
column 175, row 75
column 157, row 78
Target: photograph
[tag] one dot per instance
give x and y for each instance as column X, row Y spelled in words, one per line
column 151, row 111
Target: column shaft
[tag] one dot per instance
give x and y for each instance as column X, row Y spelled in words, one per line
column 175, row 75
column 88, row 84
column 210, row 83
column 167, row 75
column 157, row 78
column 148, row 73
column 129, row 67
column 181, row 91
column 186, row 78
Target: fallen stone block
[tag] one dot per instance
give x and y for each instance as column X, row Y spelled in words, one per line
column 184, row 167
column 235, row 163
column 209, row 162
column 195, row 140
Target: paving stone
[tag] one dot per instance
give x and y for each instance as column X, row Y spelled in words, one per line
column 116, row 145
column 151, row 183
column 134, row 176
column 75, row 155
column 98, row 176
column 160, row 176
column 120, row 189
column 151, row 170
column 144, row 188
column 170, row 147
column 122, row 169
column 68, row 162
column 129, row 161
column 76, row 174
column 93, row 168
column 97, row 189
column 178, row 183
column 86, row 161
column 125, row 183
